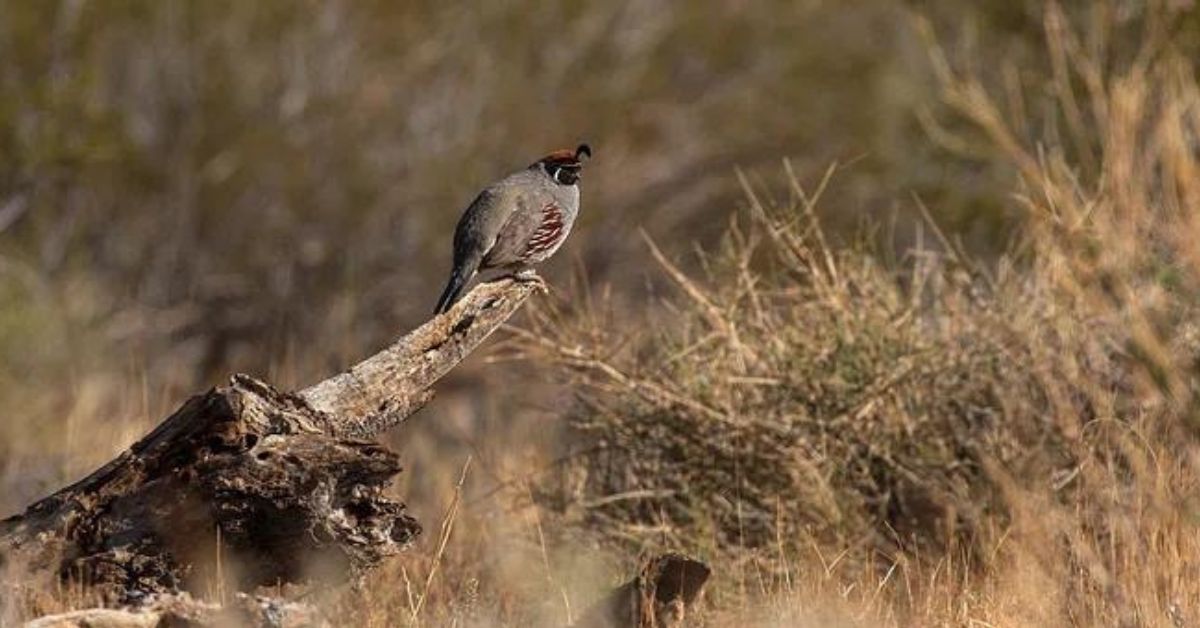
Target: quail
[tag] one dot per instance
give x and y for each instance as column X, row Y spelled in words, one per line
column 518, row 221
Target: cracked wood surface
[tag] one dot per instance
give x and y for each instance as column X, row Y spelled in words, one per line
column 291, row 483
column 381, row 391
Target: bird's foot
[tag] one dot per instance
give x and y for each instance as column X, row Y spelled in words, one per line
column 528, row 275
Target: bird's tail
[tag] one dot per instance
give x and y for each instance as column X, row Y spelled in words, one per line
column 458, row 281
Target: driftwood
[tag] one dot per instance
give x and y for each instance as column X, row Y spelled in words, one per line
column 245, row 485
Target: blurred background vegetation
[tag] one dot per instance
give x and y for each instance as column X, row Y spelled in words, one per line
column 194, row 188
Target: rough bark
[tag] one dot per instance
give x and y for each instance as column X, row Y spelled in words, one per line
column 245, row 485
column 387, row 387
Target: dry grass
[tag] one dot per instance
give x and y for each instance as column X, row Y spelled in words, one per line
column 850, row 438
column 1028, row 425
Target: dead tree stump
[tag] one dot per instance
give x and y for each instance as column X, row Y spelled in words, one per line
column 246, row 485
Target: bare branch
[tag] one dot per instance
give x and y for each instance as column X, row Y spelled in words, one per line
column 288, row 486
column 383, row 390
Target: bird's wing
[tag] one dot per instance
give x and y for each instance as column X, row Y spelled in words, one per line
column 512, row 245
column 480, row 224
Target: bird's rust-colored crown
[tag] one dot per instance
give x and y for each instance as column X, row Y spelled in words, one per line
column 567, row 157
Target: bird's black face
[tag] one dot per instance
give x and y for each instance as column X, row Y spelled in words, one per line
column 565, row 166
column 564, row 175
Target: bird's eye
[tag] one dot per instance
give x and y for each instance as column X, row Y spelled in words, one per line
column 564, row 176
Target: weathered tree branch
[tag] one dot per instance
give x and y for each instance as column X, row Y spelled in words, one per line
column 250, row 486
column 387, row 387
